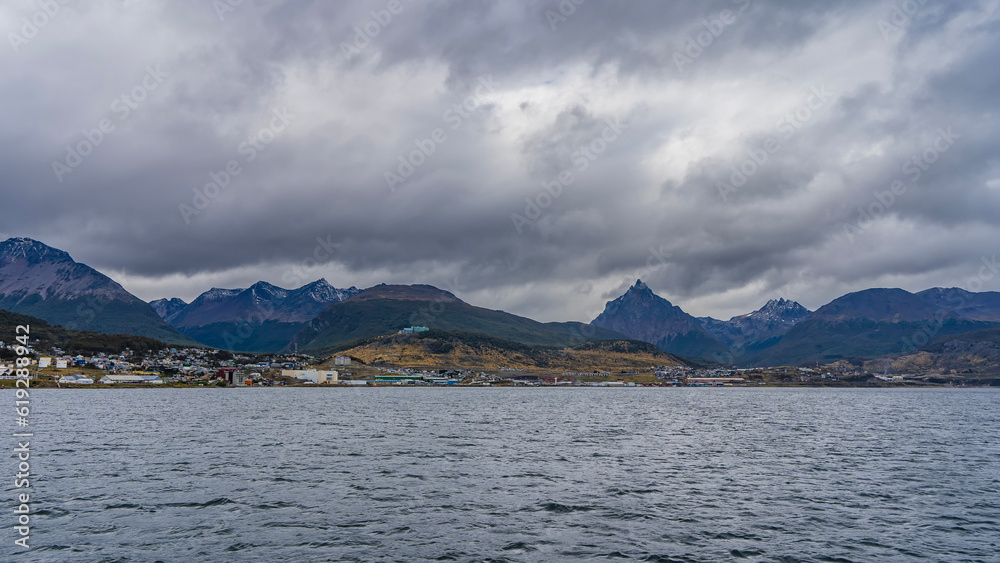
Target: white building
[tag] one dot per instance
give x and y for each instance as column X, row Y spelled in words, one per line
column 124, row 379
column 78, row 379
column 315, row 376
column 61, row 364
column 44, row 363
column 342, row 361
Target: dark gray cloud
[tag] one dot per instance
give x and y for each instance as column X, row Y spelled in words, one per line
column 619, row 98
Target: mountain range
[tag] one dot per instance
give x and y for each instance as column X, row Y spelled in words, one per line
column 759, row 328
column 385, row 308
column 47, row 283
column 319, row 318
column 865, row 324
column 643, row 315
column 260, row 318
column 879, row 322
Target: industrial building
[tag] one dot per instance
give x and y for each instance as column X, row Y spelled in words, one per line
column 316, row 376
column 148, row 379
column 78, row 379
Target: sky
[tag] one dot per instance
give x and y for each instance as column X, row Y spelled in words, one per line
column 531, row 156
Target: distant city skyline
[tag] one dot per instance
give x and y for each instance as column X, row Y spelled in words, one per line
column 536, row 157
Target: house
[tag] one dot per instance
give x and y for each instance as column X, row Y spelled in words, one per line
column 342, row 361
column 44, row 363
column 62, row 364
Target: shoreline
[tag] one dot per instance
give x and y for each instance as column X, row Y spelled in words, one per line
column 102, row 387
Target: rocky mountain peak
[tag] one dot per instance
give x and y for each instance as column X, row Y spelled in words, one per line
column 30, row 251
column 45, row 282
column 644, row 315
column 780, row 309
column 167, row 309
column 218, row 293
column 640, row 286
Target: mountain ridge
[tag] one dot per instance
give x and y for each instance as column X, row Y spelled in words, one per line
column 47, row 283
column 385, row 309
column 756, row 329
column 642, row 315
column 260, row 318
column 44, row 282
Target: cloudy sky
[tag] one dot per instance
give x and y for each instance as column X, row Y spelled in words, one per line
column 534, row 156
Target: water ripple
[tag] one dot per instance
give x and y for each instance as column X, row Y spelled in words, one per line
column 518, row 475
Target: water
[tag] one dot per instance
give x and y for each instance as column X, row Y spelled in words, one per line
column 512, row 475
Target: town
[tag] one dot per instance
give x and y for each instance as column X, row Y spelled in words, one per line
column 203, row 367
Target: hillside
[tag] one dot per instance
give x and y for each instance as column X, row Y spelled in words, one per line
column 642, row 315
column 261, row 319
column 46, row 283
column 386, row 309
column 257, row 338
column 44, row 335
column 875, row 323
column 759, row 328
column 968, row 355
column 167, row 309
column 438, row 349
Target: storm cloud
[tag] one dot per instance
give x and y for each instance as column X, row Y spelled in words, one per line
column 534, row 156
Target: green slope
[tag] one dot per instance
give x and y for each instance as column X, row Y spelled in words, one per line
column 44, row 335
column 268, row 337
column 826, row 340
column 98, row 315
column 364, row 316
column 694, row 345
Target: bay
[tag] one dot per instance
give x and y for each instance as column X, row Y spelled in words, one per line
column 542, row 474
